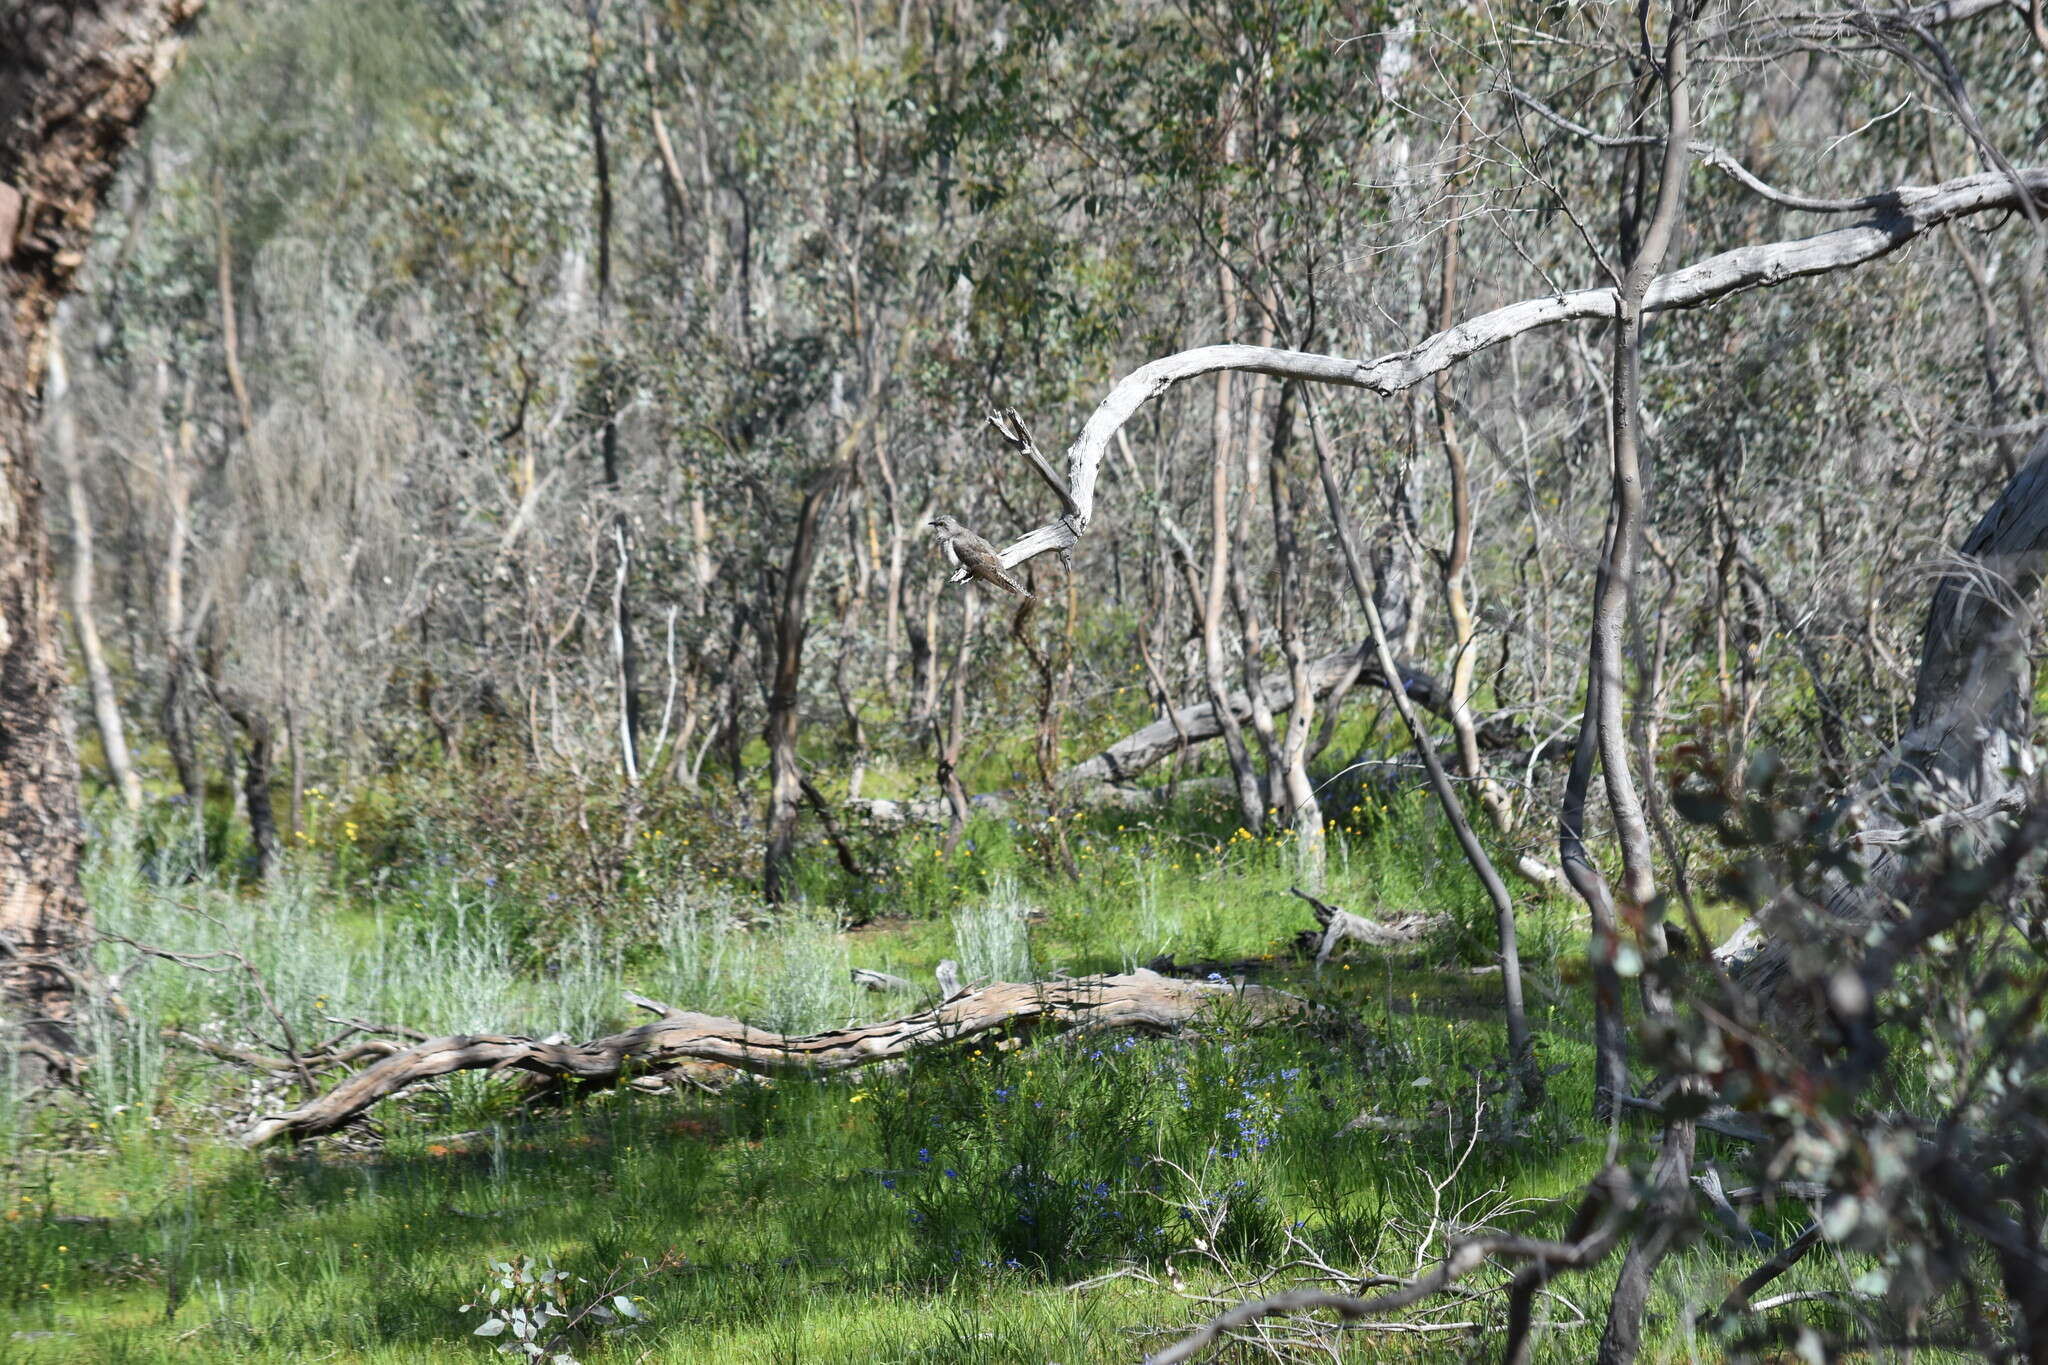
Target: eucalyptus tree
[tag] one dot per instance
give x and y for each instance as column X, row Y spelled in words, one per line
column 75, row 82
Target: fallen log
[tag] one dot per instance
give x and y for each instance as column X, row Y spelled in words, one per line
column 882, row 813
column 1140, row 1001
column 1140, row 749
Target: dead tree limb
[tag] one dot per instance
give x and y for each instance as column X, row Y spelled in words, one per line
column 1598, row 1226
column 1897, row 217
column 1404, row 930
column 1141, row 1001
column 1738, row 1300
column 1142, row 748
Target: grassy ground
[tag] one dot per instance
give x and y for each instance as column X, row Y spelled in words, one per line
column 943, row 1213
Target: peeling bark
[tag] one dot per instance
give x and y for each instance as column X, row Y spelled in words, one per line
column 75, row 81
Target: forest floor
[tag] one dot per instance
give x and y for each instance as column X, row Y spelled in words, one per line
column 1065, row 1201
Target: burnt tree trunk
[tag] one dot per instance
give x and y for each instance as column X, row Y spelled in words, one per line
column 259, row 766
column 785, row 778
column 75, row 81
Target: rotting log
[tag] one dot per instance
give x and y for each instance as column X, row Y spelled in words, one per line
column 1141, row 1002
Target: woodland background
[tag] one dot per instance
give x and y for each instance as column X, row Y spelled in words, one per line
column 489, row 460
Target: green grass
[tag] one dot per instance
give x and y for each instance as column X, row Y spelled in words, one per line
column 937, row 1214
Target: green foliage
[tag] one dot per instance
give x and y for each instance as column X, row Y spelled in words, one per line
column 811, row 1217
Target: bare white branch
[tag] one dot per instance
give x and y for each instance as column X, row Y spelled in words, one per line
column 1902, row 215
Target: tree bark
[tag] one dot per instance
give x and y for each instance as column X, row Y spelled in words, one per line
column 75, row 81
column 792, row 626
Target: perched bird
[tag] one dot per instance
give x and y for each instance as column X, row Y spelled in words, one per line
column 975, row 555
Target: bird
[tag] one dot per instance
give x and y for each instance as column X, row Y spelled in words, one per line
column 975, row 556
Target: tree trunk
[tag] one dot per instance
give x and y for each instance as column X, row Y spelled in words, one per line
column 1137, row 1002
column 75, row 81
column 1297, row 792
column 106, row 705
column 259, row 766
column 1965, row 752
column 625, row 646
column 785, row 778
column 1457, row 565
column 230, row 323
column 1249, row 801
column 1602, row 730
column 175, row 452
column 953, row 742
column 1054, row 665
column 1521, row 1048
column 924, row 673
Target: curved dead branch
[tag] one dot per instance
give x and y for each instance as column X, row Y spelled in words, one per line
column 1141, row 1001
column 1898, row 216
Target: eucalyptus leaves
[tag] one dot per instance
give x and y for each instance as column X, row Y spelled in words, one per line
column 530, row 1302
